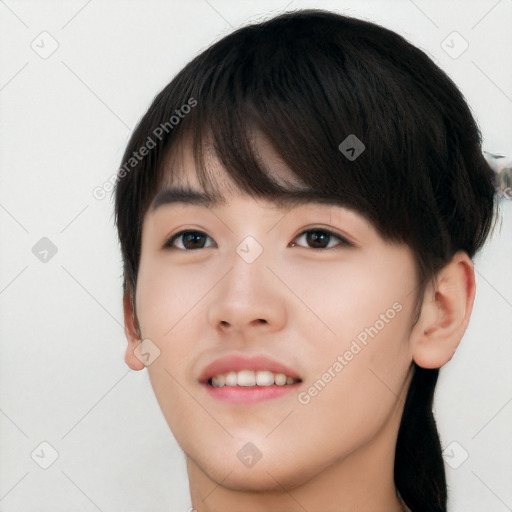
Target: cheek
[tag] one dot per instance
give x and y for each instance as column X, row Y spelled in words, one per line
column 361, row 359
column 356, row 387
column 345, row 302
column 168, row 296
column 170, row 310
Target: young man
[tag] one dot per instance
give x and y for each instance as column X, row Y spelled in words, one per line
column 297, row 248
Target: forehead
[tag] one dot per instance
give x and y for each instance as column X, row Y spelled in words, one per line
column 181, row 183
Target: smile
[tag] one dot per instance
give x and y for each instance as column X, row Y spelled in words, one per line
column 248, row 378
column 250, row 394
column 239, row 378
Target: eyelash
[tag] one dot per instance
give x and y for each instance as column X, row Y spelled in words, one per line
column 343, row 241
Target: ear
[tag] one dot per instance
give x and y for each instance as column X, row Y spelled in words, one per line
column 131, row 332
column 445, row 313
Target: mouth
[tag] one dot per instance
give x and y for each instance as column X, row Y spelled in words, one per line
column 238, row 379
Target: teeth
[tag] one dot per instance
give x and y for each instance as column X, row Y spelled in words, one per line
column 280, row 379
column 219, row 381
column 231, row 379
column 264, row 378
column 246, row 378
column 249, row 378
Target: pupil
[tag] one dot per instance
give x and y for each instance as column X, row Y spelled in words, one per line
column 192, row 237
column 315, row 236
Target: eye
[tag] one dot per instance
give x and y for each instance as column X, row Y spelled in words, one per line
column 191, row 240
column 319, row 237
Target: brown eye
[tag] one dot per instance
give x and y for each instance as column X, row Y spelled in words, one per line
column 315, row 239
column 320, row 239
column 190, row 240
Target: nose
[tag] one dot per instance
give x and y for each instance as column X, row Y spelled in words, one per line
column 249, row 297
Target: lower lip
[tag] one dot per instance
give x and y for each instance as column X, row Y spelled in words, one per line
column 250, row 394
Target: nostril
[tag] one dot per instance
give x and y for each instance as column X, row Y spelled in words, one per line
column 259, row 320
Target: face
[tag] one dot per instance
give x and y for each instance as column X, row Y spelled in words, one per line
column 312, row 292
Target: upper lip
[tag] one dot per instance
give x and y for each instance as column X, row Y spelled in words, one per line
column 241, row 362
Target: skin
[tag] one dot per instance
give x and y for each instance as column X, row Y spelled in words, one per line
column 336, row 452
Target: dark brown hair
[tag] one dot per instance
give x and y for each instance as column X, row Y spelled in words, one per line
column 307, row 80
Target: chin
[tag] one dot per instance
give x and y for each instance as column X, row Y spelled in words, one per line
column 260, row 474
column 265, row 479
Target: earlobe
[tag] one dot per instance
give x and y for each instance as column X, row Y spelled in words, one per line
column 132, row 333
column 445, row 313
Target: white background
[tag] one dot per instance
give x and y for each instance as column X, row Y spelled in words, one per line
column 64, row 123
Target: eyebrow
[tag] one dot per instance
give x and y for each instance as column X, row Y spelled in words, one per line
column 287, row 199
